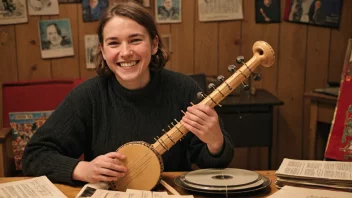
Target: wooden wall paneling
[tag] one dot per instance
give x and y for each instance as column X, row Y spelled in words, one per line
column 206, row 46
column 293, row 39
column 68, row 67
column 316, row 75
column 182, row 39
column 240, row 159
column 8, row 59
column 84, row 28
column 30, row 64
column 338, row 43
column 230, row 33
column 164, row 29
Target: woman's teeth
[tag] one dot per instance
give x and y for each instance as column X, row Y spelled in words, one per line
column 130, row 64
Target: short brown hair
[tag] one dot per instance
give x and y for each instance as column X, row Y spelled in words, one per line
column 138, row 14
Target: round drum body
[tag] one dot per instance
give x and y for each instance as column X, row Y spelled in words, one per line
column 144, row 165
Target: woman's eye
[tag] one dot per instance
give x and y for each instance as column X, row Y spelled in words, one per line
column 113, row 43
column 136, row 41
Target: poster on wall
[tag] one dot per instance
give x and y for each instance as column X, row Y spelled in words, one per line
column 43, row 7
column 168, row 11
column 339, row 146
column 55, row 38
column 92, row 10
column 267, row 11
column 91, row 47
column 220, row 10
column 314, row 12
column 13, row 11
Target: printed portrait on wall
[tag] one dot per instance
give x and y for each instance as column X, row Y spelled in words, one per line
column 267, row 11
column 314, row 12
column 55, row 38
column 168, row 11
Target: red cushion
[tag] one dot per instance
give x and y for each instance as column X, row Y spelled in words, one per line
column 34, row 95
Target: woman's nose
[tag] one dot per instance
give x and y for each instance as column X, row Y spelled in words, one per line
column 125, row 50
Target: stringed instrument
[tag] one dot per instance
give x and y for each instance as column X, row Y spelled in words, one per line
column 144, row 161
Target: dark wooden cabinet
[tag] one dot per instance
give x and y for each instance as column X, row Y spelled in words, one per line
column 249, row 118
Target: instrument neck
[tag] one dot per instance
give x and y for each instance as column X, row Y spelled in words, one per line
column 170, row 138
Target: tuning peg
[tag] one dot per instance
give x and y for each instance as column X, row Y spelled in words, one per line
column 231, row 68
column 211, row 86
column 220, row 78
column 245, row 86
column 200, row 95
column 240, row 59
column 257, row 76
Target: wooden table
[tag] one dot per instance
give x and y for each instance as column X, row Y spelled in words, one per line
column 321, row 109
column 168, row 177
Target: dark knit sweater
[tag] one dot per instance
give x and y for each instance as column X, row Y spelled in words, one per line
column 100, row 115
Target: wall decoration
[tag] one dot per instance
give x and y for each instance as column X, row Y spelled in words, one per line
column 267, row 11
column 166, row 39
column 70, row 1
column 315, row 12
column 13, row 11
column 168, row 11
column 220, row 10
column 91, row 47
column 43, row 7
column 55, row 38
column 145, row 3
column 92, row 10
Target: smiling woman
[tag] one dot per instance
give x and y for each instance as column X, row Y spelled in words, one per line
column 132, row 99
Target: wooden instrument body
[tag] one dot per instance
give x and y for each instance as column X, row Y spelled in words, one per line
column 144, row 165
column 144, row 161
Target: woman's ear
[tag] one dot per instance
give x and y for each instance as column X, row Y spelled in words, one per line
column 155, row 45
column 102, row 50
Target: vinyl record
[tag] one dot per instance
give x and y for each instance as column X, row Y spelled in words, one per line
column 228, row 177
column 265, row 184
column 222, row 188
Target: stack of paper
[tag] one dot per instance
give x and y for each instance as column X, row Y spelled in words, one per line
column 314, row 173
column 296, row 192
column 100, row 190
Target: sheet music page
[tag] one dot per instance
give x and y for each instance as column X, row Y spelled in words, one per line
column 38, row 187
column 100, row 190
column 219, row 10
column 294, row 192
column 315, row 169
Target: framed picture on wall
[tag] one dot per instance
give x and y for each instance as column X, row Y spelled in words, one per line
column 91, row 47
column 145, row 3
column 55, row 38
column 267, row 11
column 168, row 11
column 314, row 12
column 92, row 10
column 13, row 11
column 166, row 39
column 43, row 7
column 70, row 1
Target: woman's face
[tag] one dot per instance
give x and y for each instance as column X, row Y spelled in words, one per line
column 127, row 49
column 53, row 36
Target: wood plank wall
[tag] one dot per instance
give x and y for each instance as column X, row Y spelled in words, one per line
column 307, row 57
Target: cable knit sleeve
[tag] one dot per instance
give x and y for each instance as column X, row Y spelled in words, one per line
column 56, row 146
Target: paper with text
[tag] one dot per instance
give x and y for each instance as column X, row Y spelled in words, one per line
column 219, row 10
column 315, row 169
column 297, row 192
column 38, row 187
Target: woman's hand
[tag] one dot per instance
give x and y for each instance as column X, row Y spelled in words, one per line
column 106, row 167
column 203, row 122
